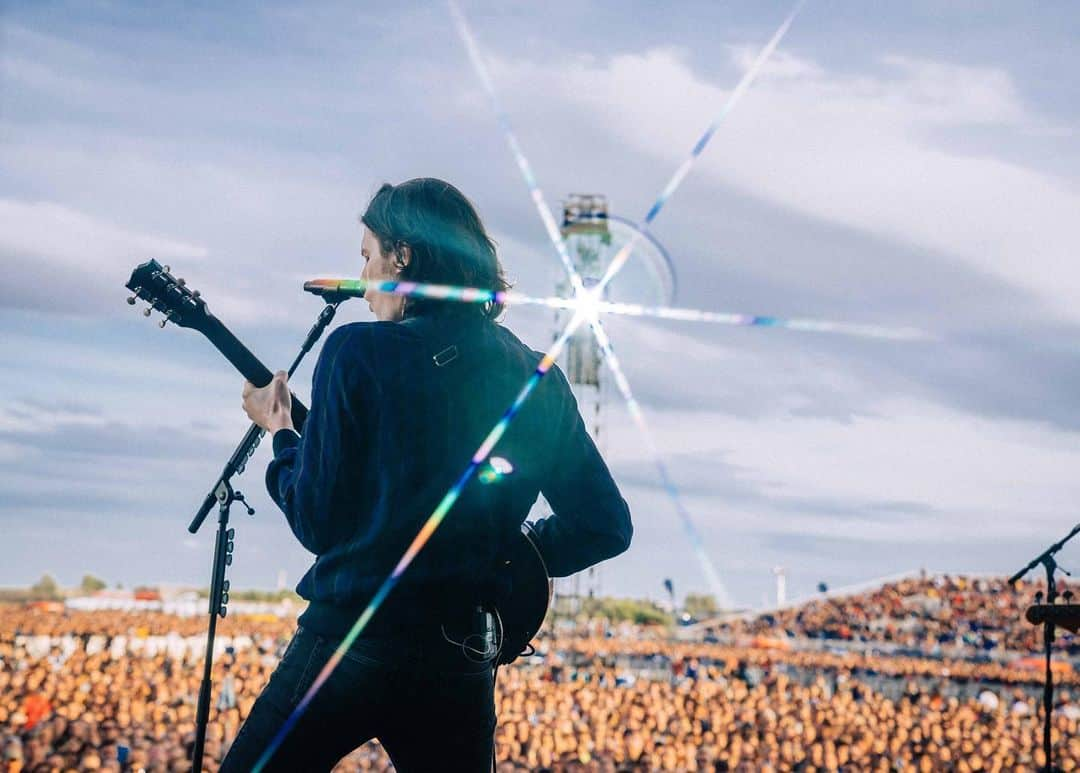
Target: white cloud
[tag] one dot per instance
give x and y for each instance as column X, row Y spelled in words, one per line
column 28, row 417
column 65, row 259
column 971, row 473
column 865, row 151
column 68, row 239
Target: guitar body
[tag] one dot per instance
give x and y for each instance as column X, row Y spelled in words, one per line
column 523, row 594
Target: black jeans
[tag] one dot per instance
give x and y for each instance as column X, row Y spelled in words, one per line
column 430, row 707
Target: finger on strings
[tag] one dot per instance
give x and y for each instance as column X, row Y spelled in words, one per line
column 421, row 538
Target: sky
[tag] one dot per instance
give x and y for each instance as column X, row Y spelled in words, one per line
column 910, row 165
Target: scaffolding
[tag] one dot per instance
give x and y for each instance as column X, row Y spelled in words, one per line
column 585, row 231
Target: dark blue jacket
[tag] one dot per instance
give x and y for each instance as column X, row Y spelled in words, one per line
column 389, row 433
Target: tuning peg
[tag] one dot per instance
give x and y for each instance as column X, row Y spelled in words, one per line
column 166, row 269
column 195, row 293
column 131, row 301
column 146, row 311
column 181, row 281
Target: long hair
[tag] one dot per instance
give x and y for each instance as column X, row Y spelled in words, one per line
column 445, row 236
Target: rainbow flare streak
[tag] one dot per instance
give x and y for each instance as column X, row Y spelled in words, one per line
column 429, row 527
column 753, row 320
column 520, row 159
column 593, row 307
column 593, row 299
column 684, row 168
column 698, row 544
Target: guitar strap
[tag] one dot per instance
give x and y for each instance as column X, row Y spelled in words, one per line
column 445, row 342
column 439, row 340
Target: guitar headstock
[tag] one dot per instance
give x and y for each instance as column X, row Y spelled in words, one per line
column 153, row 283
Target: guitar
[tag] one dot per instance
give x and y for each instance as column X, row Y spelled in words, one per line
column 185, row 307
column 523, row 588
column 523, row 594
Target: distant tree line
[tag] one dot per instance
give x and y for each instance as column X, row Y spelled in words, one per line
column 616, row 610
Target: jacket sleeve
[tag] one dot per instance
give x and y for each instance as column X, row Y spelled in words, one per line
column 312, row 477
column 590, row 520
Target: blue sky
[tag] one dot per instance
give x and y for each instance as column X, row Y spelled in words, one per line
column 904, row 164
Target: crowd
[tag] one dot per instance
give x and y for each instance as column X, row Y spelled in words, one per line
column 117, row 691
column 930, row 614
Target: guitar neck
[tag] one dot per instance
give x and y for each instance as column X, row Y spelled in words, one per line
column 248, row 364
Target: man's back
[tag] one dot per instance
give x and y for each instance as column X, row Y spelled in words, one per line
column 391, row 431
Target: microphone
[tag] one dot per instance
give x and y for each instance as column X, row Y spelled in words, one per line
column 336, row 290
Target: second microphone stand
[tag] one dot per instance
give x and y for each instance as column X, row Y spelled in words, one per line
column 223, row 494
column 1046, row 558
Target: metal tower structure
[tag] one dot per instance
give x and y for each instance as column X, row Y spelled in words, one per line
column 588, row 239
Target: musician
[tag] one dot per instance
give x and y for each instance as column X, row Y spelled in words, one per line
column 398, row 407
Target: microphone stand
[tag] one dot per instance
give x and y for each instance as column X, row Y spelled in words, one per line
column 1046, row 558
column 224, row 495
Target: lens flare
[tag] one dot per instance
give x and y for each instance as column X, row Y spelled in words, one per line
column 592, row 307
column 684, row 168
column 632, row 405
column 537, row 195
column 588, row 300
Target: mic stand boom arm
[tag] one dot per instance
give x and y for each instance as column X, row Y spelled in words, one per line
column 223, row 494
